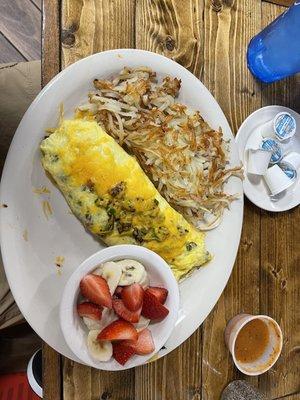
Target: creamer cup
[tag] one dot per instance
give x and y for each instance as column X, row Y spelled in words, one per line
column 267, row 129
column 272, row 145
column 293, row 159
column 276, row 180
column 282, row 126
column 271, row 352
column 288, row 169
column 258, row 161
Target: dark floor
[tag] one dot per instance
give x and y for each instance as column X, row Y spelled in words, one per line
column 20, row 40
column 20, row 30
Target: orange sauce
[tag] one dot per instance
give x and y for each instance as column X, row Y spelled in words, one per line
column 251, row 341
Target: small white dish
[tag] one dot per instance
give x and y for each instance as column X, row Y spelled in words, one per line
column 271, row 352
column 249, row 137
column 160, row 274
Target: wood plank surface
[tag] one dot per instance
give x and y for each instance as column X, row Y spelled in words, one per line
column 173, row 29
column 52, row 375
column 9, row 53
column 229, row 28
column 209, row 38
column 20, row 23
column 50, row 40
column 286, row 3
column 280, row 255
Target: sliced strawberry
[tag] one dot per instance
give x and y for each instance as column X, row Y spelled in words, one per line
column 152, row 308
column 118, row 292
column 132, row 296
column 96, row 289
column 159, row 292
column 143, row 345
column 89, row 310
column 122, row 353
column 123, row 312
column 118, row 330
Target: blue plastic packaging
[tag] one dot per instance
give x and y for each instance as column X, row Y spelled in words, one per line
column 274, row 53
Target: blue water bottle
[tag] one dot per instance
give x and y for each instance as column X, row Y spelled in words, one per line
column 274, row 53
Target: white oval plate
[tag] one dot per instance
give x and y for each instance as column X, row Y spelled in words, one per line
column 249, row 136
column 30, row 264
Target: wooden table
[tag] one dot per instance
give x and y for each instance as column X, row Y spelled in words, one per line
column 210, row 39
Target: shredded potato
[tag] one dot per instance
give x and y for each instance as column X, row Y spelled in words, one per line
column 186, row 159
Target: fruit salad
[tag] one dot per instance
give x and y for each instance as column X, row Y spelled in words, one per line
column 117, row 305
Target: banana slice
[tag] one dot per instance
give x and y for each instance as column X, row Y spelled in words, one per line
column 145, row 281
column 142, row 324
column 91, row 324
column 133, row 272
column 108, row 316
column 100, row 350
column 112, row 273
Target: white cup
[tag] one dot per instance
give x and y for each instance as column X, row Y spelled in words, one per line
column 271, row 352
column 293, row 159
column 267, row 129
column 276, row 180
column 258, row 161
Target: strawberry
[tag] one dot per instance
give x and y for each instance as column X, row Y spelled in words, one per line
column 152, row 308
column 118, row 330
column 143, row 345
column 122, row 353
column 89, row 310
column 132, row 296
column 159, row 292
column 118, row 292
column 96, row 289
column 123, row 312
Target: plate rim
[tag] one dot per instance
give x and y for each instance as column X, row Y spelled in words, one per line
column 53, row 81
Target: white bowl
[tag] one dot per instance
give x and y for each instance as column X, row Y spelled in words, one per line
column 160, row 274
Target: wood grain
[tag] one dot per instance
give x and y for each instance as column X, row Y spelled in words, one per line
column 20, row 23
column 294, row 396
column 172, row 28
column 177, row 376
column 228, row 29
column 286, row 3
column 89, row 27
column 9, row 53
column 50, row 40
column 280, row 255
column 51, row 374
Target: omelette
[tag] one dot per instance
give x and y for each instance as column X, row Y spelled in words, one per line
column 111, row 195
